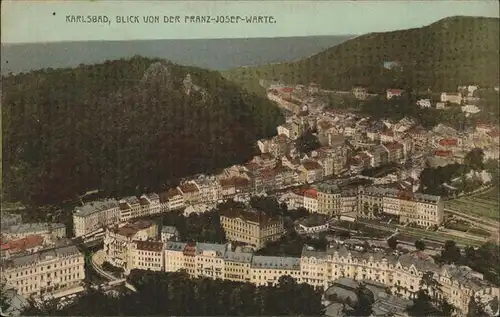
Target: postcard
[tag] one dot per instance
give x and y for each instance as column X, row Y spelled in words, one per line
column 250, row 158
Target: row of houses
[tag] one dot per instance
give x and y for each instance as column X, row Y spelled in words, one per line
column 369, row 202
column 401, row 274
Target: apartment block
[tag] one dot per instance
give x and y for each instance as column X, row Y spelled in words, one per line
column 94, row 216
column 251, row 227
column 54, row 272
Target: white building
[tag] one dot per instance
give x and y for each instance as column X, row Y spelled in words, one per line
column 45, row 229
column 455, row 98
column 145, row 255
column 54, row 272
column 470, row 109
column 169, row 233
column 424, row 103
column 94, row 216
column 117, row 241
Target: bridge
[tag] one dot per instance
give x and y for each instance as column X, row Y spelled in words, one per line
column 96, row 262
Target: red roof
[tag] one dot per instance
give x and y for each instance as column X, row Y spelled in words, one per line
column 494, row 133
column 443, row 153
column 287, row 89
column 189, row 188
column 395, row 91
column 393, row 145
column 448, row 142
column 25, row 243
column 311, row 193
column 311, row 165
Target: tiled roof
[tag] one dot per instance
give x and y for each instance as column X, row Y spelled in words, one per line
column 275, row 262
column 153, row 246
column 131, row 229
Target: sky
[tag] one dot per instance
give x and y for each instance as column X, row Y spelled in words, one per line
column 45, row 21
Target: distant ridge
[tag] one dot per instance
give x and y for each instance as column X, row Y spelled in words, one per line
column 214, row 54
column 452, row 51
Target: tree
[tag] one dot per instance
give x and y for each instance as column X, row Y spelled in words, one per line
column 307, row 142
column 392, row 242
column 450, row 253
column 422, row 305
column 420, row 245
column 475, row 159
column 475, row 309
column 429, row 284
column 363, row 307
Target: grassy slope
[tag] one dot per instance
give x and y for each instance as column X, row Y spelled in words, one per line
column 440, row 56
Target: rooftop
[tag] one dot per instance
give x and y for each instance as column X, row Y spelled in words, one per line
column 153, row 246
column 275, row 262
column 132, row 228
column 33, row 227
column 257, row 217
column 41, row 256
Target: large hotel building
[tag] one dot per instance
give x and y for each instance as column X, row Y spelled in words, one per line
column 251, row 227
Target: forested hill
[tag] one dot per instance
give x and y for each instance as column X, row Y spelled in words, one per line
column 451, row 52
column 125, row 127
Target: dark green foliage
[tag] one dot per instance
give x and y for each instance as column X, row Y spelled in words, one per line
column 291, row 245
column 363, row 306
column 420, row 245
column 398, row 108
column 307, row 142
column 432, row 179
column 175, row 294
column 451, row 52
column 450, row 253
column 108, row 127
column 205, row 227
column 392, row 243
column 475, row 159
column 485, row 260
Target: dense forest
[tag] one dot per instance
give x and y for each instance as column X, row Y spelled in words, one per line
column 453, row 51
column 123, row 127
column 175, row 294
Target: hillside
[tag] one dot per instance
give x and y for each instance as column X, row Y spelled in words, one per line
column 440, row 56
column 124, row 127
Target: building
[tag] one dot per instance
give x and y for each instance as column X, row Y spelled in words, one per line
column 455, row 98
column 145, row 255
column 10, row 219
column 47, row 230
column 285, row 129
column 94, row 216
column 130, row 208
column 55, row 272
column 209, row 260
column 237, row 264
column 391, row 93
column 311, row 200
column 328, row 199
column 313, row 224
column 360, row 93
column 28, row 244
column 421, row 209
column 267, row 270
column 310, row 171
column 191, row 193
column 253, row 228
column 117, row 241
column 169, row 233
column 175, row 199
column 424, row 103
column 395, row 151
column 472, row 109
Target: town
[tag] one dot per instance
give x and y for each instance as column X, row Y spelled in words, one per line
column 357, row 182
